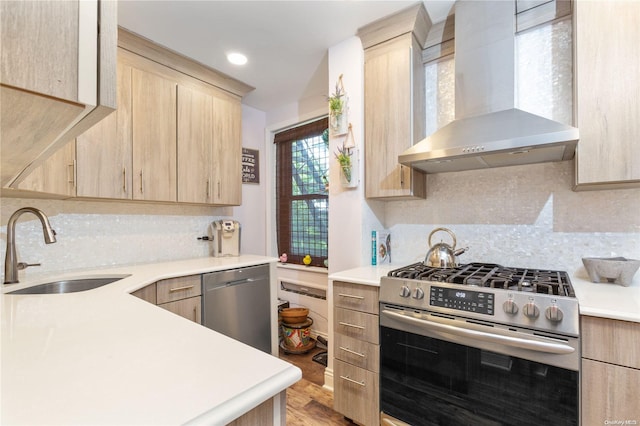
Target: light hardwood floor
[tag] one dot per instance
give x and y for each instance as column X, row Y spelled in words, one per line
column 308, row 403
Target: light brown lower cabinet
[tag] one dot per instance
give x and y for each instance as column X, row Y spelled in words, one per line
column 356, row 352
column 356, row 393
column 262, row 415
column 190, row 308
column 610, row 378
column 180, row 295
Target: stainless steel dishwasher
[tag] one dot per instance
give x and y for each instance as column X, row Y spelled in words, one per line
column 236, row 303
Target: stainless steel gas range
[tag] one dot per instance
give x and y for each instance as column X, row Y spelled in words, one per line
column 478, row 344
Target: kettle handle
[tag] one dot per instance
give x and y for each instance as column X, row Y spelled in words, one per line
column 453, row 236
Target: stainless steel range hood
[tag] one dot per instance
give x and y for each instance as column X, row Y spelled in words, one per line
column 488, row 130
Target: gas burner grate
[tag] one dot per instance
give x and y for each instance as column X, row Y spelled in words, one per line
column 494, row 276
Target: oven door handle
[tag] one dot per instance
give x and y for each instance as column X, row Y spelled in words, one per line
column 518, row 342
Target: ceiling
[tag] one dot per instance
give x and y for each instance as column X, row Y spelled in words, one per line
column 286, row 41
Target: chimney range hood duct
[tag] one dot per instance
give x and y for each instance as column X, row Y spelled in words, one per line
column 488, row 130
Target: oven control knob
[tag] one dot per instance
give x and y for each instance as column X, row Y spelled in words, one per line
column 404, row 291
column 510, row 307
column 553, row 313
column 418, row 294
column 531, row 310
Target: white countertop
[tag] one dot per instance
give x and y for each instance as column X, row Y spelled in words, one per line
column 607, row 300
column 368, row 275
column 106, row 357
column 595, row 299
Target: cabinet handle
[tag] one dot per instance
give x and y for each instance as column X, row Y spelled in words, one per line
column 218, row 189
column 346, row 324
column 401, row 176
column 187, row 287
column 124, row 180
column 208, row 188
column 141, row 181
column 349, row 379
column 352, row 352
column 195, row 314
column 352, row 296
column 70, row 173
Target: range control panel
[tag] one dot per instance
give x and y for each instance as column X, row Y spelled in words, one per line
column 462, row 300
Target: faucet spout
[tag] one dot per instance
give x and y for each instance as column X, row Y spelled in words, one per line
column 11, row 258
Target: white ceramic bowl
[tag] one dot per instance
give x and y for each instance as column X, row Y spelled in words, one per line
column 617, row 270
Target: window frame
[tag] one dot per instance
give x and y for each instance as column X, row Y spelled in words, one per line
column 284, row 200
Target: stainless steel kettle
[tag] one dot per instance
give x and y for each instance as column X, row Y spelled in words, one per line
column 443, row 255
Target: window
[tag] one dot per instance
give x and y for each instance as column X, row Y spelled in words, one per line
column 302, row 164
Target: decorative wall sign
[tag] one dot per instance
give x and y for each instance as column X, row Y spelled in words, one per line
column 250, row 165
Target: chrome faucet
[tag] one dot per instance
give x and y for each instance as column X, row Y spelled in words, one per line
column 11, row 265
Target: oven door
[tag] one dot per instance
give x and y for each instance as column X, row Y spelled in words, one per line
column 436, row 380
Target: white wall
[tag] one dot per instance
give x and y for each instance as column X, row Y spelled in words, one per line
column 351, row 217
column 252, row 214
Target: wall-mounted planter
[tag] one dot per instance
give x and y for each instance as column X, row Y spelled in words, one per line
column 349, row 173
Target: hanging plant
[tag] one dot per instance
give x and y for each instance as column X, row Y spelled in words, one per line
column 338, row 109
column 336, row 103
column 344, row 158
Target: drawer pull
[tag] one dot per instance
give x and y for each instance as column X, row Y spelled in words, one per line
column 349, row 379
column 346, row 324
column 352, row 296
column 187, row 287
column 352, row 352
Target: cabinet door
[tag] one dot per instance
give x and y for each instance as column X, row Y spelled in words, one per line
column 190, row 309
column 227, row 151
column 40, row 46
column 154, row 137
column 195, row 145
column 393, row 119
column 104, row 168
column 607, row 56
column 58, row 77
column 56, row 175
column 609, row 392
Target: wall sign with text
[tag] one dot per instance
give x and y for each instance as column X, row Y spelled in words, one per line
column 250, row 165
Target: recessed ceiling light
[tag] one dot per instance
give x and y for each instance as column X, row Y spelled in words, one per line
column 237, row 58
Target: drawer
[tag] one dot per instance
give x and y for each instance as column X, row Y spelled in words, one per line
column 358, row 325
column 356, row 393
column 178, row 288
column 357, row 352
column 359, row 297
column 612, row 341
column 190, row 308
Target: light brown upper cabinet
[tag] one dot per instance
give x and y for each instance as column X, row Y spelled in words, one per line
column 607, row 71
column 227, row 151
column 104, row 152
column 56, row 175
column 394, row 102
column 209, row 146
column 154, row 136
column 195, row 142
column 56, row 81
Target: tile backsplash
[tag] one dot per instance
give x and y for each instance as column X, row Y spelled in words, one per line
column 523, row 216
column 99, row 234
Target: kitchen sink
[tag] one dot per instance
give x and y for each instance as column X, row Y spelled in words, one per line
column 69, row 286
